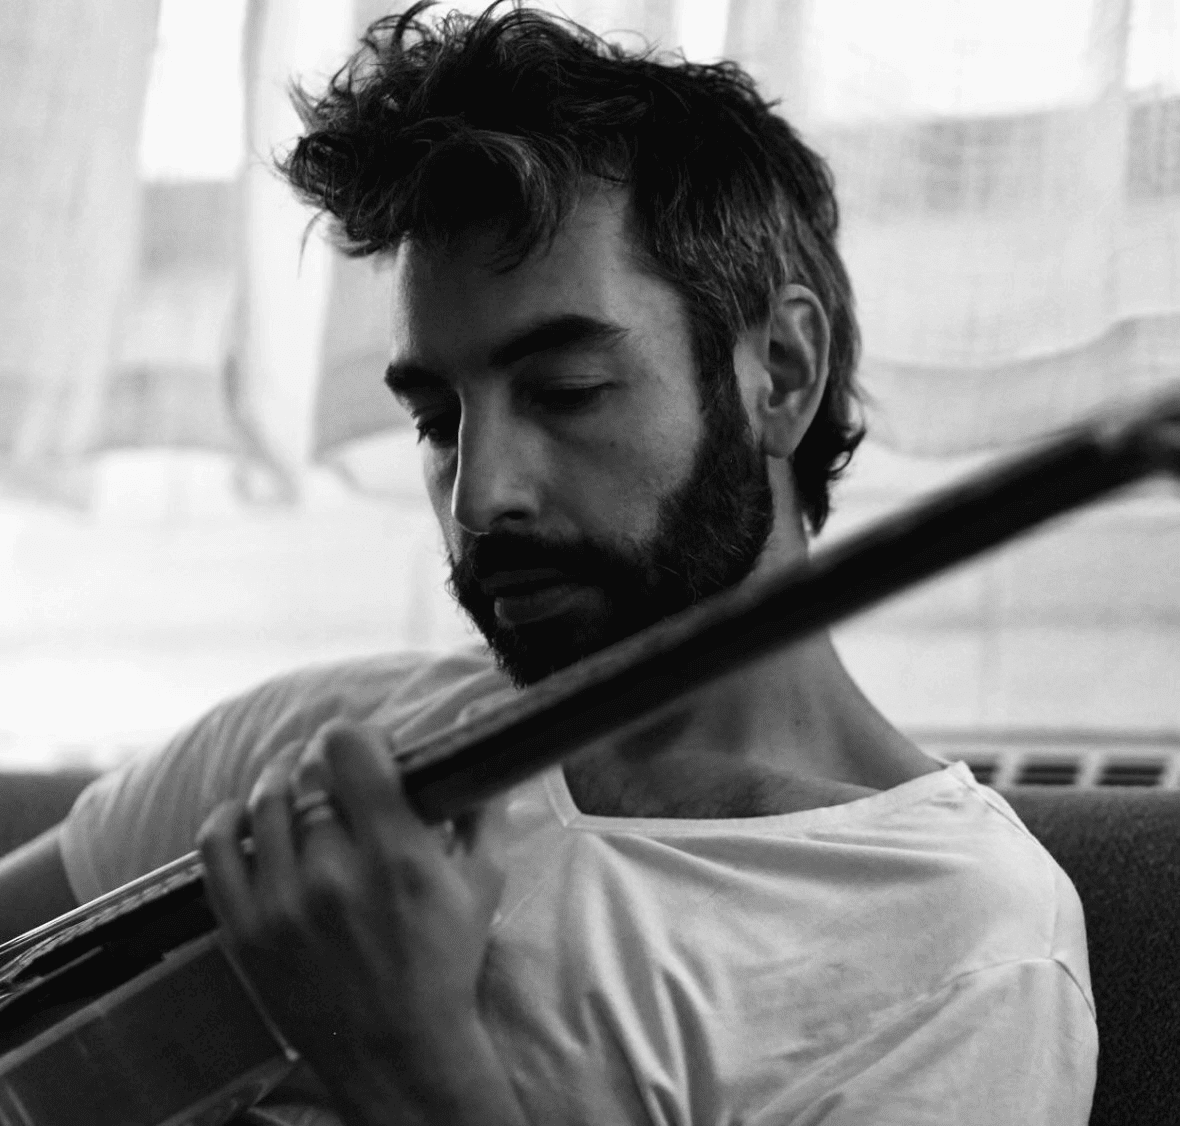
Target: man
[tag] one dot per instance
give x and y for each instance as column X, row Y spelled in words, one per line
column 626, row 339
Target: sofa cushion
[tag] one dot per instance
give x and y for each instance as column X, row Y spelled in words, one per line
column 33, row 801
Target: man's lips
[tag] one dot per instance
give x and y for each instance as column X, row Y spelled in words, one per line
column 511, row 583
column 532, row 595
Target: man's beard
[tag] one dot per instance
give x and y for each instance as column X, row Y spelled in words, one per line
column 710, row 532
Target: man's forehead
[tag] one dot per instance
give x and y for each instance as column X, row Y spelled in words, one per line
column 451, row 302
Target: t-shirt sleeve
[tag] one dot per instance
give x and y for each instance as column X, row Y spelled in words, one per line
column 1016, row 1042
column 148, row 812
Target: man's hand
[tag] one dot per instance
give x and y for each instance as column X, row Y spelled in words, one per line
column 364, row 930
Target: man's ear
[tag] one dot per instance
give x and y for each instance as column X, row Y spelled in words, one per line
column 792, row 348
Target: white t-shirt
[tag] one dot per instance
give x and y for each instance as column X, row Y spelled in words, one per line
column 911, row 957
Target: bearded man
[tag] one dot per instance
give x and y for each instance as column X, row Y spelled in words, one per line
column 627, row 341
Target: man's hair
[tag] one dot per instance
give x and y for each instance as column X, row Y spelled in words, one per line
column 507, row 117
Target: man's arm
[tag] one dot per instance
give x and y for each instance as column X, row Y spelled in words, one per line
column 33, row 886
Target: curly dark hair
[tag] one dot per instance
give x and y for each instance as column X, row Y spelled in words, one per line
column 727, row 203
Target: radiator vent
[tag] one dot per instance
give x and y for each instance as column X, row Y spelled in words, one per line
column 1081, row 759
column 1132, row 772
column 1048, row 772
column 985, row 772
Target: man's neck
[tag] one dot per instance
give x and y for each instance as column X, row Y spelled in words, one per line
column 791, row 732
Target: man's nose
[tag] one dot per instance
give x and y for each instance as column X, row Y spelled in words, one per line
column 496, row 479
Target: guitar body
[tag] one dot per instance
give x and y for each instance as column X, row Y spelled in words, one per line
column 180, row 1044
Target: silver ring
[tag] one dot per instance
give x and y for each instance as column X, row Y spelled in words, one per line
column 312, row 808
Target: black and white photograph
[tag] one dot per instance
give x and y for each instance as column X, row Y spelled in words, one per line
column 590, row 563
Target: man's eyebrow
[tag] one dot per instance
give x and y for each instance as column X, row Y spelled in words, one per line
column 567, row 332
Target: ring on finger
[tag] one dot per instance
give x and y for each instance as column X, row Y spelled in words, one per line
column 312, row 808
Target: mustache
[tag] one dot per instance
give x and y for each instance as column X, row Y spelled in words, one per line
column 580, row 561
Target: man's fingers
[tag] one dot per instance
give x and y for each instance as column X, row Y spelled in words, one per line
column 368, row 787
column 384, row 825
column 276, row 878
column 311, row 772
column 227, row 878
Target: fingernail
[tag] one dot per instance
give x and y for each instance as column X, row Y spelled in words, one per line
column 267, row 773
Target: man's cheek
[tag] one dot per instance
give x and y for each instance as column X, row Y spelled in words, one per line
column 439, row 477
column 456, row 543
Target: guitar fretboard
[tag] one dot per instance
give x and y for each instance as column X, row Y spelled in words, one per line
column 18, row 970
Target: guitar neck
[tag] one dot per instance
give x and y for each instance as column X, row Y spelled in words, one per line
column 550, row 721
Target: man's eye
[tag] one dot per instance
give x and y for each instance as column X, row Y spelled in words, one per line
column 570, row 398
column 438, row 429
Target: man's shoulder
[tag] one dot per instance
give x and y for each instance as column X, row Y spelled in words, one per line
column 386, row 674
column 387, row 689
column 1006, row 899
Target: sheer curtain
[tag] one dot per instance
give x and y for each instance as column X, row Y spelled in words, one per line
column 205, row 482
column 1010, row 177
column 69, row 224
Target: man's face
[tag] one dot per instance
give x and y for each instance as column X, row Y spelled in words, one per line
column 582, row 491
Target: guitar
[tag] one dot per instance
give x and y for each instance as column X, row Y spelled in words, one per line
column 127, row 1010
